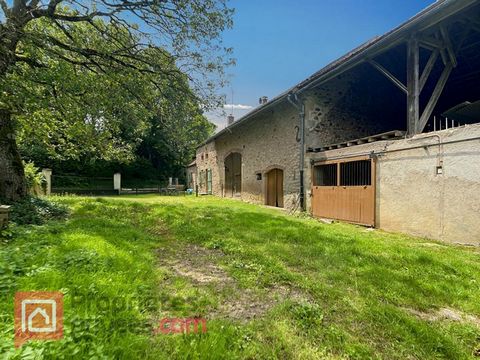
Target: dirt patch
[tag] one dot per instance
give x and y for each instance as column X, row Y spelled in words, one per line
column 199, row 266
column 445, row 314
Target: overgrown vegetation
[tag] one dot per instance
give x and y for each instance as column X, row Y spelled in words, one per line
column 319, row 291
column 34, row 179
column 36, row 211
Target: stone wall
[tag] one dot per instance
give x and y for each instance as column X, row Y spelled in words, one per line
column 207, row 160
column 352, row 106
column 414, row 195
column 265, row 142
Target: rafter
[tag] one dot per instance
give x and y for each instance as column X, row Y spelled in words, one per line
column 389, row 76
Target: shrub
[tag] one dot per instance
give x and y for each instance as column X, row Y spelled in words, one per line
column 34, row 210
column 34, row 179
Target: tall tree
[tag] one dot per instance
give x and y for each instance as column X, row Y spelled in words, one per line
column 139, row 36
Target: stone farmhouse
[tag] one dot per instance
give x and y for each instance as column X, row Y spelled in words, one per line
column 387, row 136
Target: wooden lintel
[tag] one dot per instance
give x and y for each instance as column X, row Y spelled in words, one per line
column 428, row 69
column 434, row 98
column 388, row 75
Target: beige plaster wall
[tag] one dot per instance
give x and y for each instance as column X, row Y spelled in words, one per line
column 412, row 197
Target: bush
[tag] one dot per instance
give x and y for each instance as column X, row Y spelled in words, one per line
column 34, row 179
column 34, row 210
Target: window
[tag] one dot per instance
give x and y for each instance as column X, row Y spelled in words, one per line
column 325, row 175
column 352, row 173
column 356, row 173
column 206, row 156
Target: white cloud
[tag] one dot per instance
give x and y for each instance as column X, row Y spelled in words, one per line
column 237, row 107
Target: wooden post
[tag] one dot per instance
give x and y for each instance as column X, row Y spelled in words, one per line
column 413, row 86
column 196, row 190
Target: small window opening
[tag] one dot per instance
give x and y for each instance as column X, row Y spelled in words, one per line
column 325, row 175
column 356, row 173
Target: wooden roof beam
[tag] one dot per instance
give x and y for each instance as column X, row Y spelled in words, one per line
column 389, row 75
column 428, row 68
column 448, row 46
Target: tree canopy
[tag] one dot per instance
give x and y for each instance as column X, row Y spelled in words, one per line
column 107, row 80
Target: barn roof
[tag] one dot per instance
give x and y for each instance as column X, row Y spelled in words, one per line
column 433, row 14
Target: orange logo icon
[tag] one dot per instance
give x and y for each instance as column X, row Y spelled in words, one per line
column 38, row 316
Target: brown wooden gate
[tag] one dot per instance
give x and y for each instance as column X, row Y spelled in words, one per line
column 345, row 190
column 275, row 188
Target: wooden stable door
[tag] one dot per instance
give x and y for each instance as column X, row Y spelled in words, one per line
column 345, row 190
column 275, row 188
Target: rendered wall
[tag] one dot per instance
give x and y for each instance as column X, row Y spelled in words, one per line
column 411, row 197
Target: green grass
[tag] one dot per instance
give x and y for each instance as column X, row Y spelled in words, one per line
column 358, row 288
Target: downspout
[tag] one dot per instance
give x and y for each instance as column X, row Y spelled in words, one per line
column 300, row 106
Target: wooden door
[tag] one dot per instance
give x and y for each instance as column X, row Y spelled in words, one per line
column 233, row 175
column 345, row 190
column 275, row 188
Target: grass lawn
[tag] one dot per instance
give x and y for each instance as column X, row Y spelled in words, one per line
column 269, row 285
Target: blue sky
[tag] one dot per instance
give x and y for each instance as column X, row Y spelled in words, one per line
column 278, row 43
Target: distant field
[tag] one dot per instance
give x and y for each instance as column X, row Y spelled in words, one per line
column 269, row 285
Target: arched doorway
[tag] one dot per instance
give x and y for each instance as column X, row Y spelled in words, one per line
column 233, row 174
column 275, row 187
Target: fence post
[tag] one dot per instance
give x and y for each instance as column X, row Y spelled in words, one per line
column 196, row 190
column 47, row 173
column 117, row 182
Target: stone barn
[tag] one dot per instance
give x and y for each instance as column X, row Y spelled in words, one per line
column 386, row 136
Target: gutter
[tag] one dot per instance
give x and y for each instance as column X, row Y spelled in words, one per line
column 361, row 54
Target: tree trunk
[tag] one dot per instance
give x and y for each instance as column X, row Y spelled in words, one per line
column 12, row 177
